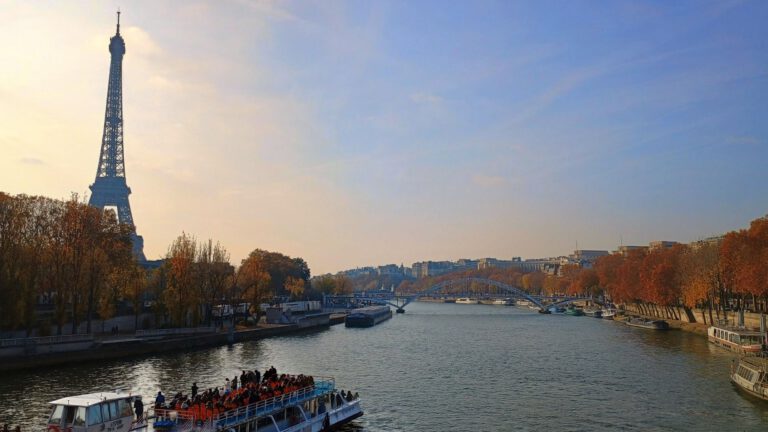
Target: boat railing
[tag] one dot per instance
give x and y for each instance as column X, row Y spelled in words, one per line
column 45, row 340
column 175, row 331
column 321, row 387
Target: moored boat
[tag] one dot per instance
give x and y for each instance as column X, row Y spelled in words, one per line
column 466, row 300
column 593, row 312
column 504, row 302
column 556, row 309
column 368, row 316
column 736, row 339
column 647, row 324
column 523, row 303
column 750, row 374
column 574, row 311
column 609, row 313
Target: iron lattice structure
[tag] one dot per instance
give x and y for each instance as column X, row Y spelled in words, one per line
column 110, row 188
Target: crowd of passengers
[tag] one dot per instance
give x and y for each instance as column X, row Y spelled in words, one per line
column 250, row 387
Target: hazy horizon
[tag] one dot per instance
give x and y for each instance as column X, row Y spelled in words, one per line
column 357, row 134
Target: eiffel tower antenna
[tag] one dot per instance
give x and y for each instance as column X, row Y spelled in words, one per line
column 110, row 188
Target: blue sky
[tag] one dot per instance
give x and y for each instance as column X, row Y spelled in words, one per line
column 360, row 133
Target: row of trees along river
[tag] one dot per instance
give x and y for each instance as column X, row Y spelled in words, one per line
column 66, row 262
column 728, row 272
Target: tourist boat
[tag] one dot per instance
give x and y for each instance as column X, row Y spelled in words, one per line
column 316, row 408
column 573, row 311
column 647, row 324
column 609, row 313
column 594, row 313
column 750, row 373
column 466, row 300
column 368, row 316
column 741, row 340
column 504, row 302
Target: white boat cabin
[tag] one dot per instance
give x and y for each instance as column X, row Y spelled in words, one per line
column 736, row 339
column 96, row 412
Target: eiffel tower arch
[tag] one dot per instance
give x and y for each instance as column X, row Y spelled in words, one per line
column 110, row 187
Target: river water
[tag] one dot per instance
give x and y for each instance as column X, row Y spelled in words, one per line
column 448, row 367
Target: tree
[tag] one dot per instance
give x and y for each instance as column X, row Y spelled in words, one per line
column 324, row 284
column 254, row 281
column 342, row 285
column 295, row 287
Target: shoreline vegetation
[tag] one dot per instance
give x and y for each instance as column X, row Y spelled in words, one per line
column 66, row 266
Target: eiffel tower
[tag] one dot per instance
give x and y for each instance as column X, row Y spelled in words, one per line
column 110, row 188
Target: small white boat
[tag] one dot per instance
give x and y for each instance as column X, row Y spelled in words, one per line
column 609, row 313
column 736, row 339
column 504, row 302
column 466, row 300
column 523, row 303
column 751, row 375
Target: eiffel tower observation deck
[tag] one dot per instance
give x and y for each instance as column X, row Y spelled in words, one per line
column 110, row 188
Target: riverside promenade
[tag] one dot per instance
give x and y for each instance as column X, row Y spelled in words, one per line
column 16, row 354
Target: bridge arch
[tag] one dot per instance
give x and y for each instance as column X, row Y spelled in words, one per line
column 514, row 291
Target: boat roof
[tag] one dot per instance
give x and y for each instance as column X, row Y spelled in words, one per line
column 90, row 399
column 740, row 330
column 758, row 363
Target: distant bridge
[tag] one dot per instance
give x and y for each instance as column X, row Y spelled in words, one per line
column 399, row 302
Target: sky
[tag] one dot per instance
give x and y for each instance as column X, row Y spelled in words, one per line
column 364, row 133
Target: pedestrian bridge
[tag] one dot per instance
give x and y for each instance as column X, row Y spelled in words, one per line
column 493, row 288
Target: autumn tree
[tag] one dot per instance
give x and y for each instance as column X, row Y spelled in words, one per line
column 342, row 285
column 295, row 287
column 324, row 284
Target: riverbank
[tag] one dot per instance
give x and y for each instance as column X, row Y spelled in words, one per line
column 131, row 346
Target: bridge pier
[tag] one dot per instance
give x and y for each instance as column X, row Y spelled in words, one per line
column 399, row 310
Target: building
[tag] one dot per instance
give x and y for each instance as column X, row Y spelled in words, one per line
column 661, row 244
column 624, row 250
column 485, row 263
column 389, row 269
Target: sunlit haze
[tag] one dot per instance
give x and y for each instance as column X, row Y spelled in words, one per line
column 365, row 133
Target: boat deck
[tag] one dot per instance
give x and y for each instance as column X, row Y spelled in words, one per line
column 186, row 421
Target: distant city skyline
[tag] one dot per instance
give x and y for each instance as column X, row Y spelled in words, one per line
column 352, row 133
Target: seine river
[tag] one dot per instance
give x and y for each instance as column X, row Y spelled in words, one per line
column 447, row 367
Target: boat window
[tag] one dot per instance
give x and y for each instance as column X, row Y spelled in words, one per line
column 79, row 417
column 105, row 416
column 94, row 415
column 125, row 408
column 58, row 413
column 69, row 413
column 113, row 411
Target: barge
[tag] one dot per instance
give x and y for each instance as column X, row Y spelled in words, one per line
column 647, row 324
column 368, row 316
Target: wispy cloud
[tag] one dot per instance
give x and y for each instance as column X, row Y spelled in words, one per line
column 424, row 98
column 745, row 140
column 31, row 161
column 488, row 181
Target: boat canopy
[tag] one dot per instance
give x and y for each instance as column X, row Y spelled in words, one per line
column 90, row 399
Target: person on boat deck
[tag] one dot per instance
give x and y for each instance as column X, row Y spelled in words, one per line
column 234, row 383
column 194, row 390
column 138, row 406
column 159, row 400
